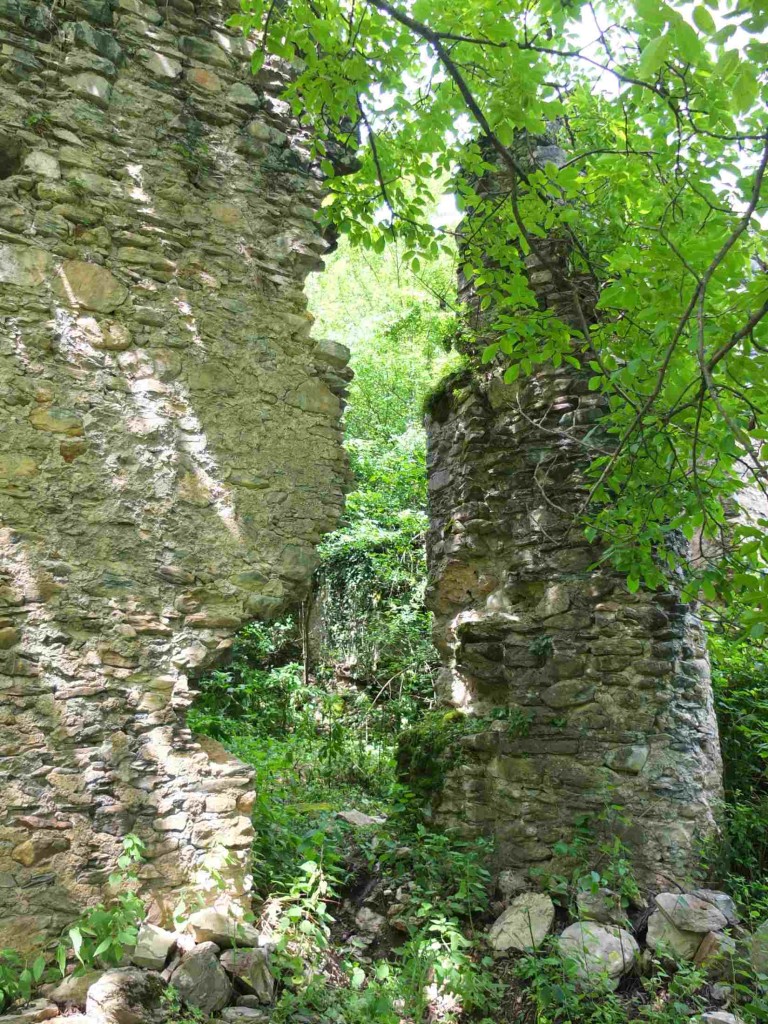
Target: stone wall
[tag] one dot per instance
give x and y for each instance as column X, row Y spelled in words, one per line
column 593, row 696
column 170, row 449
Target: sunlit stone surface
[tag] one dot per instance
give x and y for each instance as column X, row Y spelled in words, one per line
column 170, row 449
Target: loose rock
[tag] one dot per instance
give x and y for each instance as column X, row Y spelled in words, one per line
column 603, row 906
column 369, row 922
column 359, row 819
column 38, row 1010
column 722, row 901
column 251, row 967
column 73, row 990
column 663, row 935
column 222, row 927
column 200, row 979
column 690, row 913
column 524, row 924
column 152, row 947
column 602, row 954
column 124, row 996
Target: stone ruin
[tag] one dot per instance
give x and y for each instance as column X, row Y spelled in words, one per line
column 170, row 456
column 594, row 696
column 170, row 450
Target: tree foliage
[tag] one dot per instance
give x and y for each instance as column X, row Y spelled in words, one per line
column 661, row 107
column 369, row 618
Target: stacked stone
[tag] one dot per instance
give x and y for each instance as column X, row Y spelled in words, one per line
column 170, row 449
column 607, row 694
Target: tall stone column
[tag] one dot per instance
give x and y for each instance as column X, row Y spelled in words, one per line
column 590, row 696
column 170, row 447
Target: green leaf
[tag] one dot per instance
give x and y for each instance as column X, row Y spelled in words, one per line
column 745, row 88
column 76, row 938
column 653, row 55
column 688, row 43
column 703, row 20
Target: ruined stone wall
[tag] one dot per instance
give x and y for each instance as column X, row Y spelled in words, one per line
column 593, row 696
column 170, row 448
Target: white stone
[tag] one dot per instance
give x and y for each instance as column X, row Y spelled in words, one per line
column 24, row 266
column 223, row 927
column 359, row 819
column 663, row 935
column 600, row 952
column 159, row 64
column 124, row 996
column 43, row 163
column 689, row 913
column 91, row 87
column 152, row 947
column 603, row 906
column 716, row 1017
column 369, row 922
column 73, row 990
column 524, row 924
column 722, row 901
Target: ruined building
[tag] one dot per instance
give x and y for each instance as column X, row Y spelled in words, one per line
column 592, row 696
column 170, row 456
column 170, row 448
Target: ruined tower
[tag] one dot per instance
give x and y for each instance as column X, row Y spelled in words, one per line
column 590, row 697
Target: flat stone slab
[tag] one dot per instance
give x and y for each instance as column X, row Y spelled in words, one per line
column 690, row 913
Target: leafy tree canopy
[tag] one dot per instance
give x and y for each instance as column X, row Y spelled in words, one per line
column 661, row 107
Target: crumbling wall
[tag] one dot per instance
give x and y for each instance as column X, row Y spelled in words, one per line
column 170, row 448
column 590, row 696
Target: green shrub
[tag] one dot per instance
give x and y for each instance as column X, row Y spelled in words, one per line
column 740, row 680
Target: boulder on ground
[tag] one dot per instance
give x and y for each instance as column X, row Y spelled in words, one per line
column 602, row 953
column 125, row 995
column 691, row 913
column 369, row 922
column 200, row 979
column 73, row 990
column 222, row 926
column 510, row 883
column 153, row 946
column 715, row 947
column 603, row 906
column 251, row 968
column 717, row 1017
column 524, row 924
column 33, row 1012
column 664, row 936
column 722, row 901
column 244, row 1015
column 360, row 820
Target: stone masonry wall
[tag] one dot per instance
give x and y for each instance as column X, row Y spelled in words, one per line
column 170, row 448
column 593, row 696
